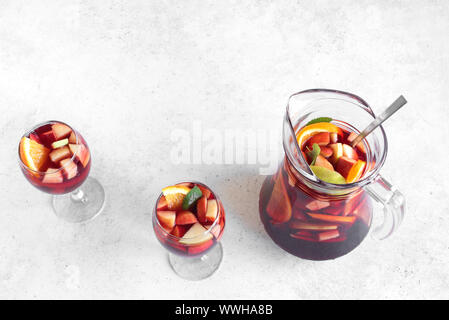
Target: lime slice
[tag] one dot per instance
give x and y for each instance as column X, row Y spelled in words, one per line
column 318, row 120
column 191, row 198
column 328, row 175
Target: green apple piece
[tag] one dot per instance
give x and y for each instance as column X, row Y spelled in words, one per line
column 60, row 143
column 195, row 235
column 328, row 175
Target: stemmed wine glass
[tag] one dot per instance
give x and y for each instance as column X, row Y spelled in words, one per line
column 56, row 159
column 192, row 233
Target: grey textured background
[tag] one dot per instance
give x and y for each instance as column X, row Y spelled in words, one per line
column 125, row 73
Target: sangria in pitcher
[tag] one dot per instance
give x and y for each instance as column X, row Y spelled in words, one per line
column 319, row 204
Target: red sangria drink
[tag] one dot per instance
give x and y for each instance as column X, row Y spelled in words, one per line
column 319, row 203
column 309, row 224
column 56, row 159
column 188, row 221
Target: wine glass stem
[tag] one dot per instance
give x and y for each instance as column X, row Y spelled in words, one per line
column 78, row 196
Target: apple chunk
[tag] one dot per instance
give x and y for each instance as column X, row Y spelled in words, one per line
column 322, row 139
column 279, row 207
column 360, row 145
column 60, row 131
column 185, row 217
column 337, row 152
column 212, row 210
column 70, row 168
column 201, row 209
column 316, row 205
column 58, row 154
column 72, row 138
column 349, row 152
column 53, row 176
column 326, row 151
column 195, row 235
column 167, row 218
column 162, row 204
column 322, row 162
column 344, row 166
column 82, row 153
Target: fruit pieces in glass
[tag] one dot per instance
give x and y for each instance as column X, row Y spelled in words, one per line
column 54, row 158
column 189, row 219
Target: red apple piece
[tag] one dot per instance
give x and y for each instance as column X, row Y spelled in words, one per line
column 166, row 218
column 349, row 152
column 212, row 210
column 322, row 162
column 334, row 137
column 60, row 131
column 81, row 153
column 201, row 209
column 363, row 211
column 303, row 235
column 35, row 137
column 53, row 176
column 195, row 235
column 344, row 166
column 333, row 219
column 299, row 215
column 72, row 138
column 322, row 139
column 206, row 192
column 70, row 168
column 327, row 235
column 179, row 231
column 47, row 137
column 337, row 152
column 162, row 204
column 350, row 204
column 316, row 205
column 58, row 154
column 279, row 207
column 185, row 217
column 360, row 145
column 296, row 224
column 335, row 211
column 326, row 151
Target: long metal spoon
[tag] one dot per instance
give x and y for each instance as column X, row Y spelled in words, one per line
column 395, row 106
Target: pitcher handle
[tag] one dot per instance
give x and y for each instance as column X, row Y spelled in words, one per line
column 394, row 207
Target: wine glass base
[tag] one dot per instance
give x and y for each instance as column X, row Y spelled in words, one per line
column 76, row 211
column 197, row 268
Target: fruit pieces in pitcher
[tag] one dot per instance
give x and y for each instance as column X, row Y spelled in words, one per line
column 328, row 153
column 187, row 211
column 52, row 147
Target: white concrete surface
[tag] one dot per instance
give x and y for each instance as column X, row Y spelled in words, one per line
column 126, row 73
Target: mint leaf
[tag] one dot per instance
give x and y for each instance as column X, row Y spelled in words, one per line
column 318, row 120
column 313, row 154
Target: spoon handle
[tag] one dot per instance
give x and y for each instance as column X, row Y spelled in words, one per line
column 395, row 106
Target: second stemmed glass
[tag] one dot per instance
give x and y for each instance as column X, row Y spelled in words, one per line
column 193, row 242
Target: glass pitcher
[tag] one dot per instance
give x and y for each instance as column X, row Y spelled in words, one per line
column 316, row 220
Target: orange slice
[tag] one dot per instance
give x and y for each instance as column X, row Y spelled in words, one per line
column 175, row 195
column 356, row 171
column 33, row 154
column 308, row 131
